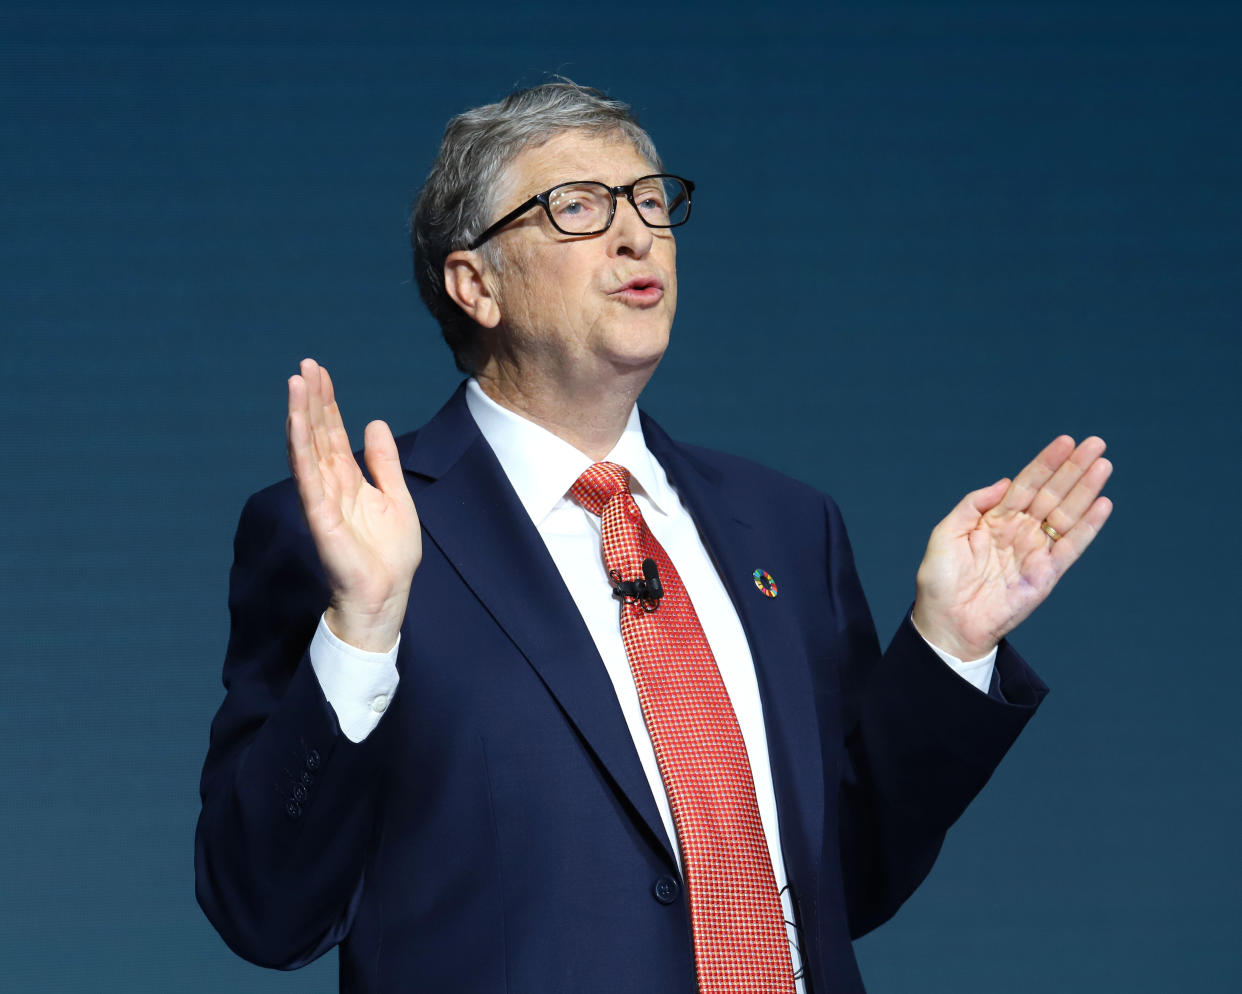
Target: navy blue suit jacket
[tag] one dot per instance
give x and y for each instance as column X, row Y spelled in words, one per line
column 496, row 833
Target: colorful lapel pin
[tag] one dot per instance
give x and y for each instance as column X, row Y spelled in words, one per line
column 765, row 583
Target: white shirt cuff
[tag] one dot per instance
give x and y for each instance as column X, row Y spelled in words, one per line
column 976, row 672
column 358, row 684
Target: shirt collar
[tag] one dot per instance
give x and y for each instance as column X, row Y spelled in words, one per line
column 542, row 466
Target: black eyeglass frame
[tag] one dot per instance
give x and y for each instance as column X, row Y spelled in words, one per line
column 543, row 200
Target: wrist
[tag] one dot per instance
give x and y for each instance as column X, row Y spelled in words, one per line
column 369, row 629
column 944, row 636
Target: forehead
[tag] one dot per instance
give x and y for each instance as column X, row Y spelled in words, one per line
column 609, row 158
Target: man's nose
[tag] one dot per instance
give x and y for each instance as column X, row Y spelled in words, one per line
column 630, row 236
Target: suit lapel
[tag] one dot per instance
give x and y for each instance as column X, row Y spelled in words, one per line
column 738, row 547
column 473, row 515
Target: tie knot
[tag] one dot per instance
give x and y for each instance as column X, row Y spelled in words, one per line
column 598, row 484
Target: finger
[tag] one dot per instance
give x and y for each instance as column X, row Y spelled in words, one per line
column 297, row 393
column 1066, row 478
column 1037, row 473
column 333, row 424
column 965, row 516
column 383, row 462
column 297, row 428
column 1081, row 498
column 309, row 371
column 297, row 410
column 1071, row 545
column 302, row 462
column 314, row 404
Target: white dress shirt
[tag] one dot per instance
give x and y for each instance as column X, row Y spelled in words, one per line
column 541, row 468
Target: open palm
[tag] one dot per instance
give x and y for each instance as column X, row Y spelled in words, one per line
column 367, row 535
column 991, row 562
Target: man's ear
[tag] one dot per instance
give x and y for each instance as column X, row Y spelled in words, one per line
column 464, row 280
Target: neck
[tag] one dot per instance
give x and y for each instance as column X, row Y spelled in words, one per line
column 588, row 414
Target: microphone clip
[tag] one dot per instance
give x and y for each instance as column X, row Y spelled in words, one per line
column 645, row 592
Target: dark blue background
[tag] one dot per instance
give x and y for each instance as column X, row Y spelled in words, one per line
column 928, row 237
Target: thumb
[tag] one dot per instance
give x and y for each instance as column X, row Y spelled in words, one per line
column 966, row 514
column 383, row 463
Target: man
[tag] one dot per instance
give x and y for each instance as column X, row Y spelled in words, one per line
column 637, row 767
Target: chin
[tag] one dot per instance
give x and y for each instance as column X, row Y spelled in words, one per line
column 644, row 350
column 632, row 361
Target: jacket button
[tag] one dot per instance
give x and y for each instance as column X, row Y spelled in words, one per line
column 312, row 760
column 666, row 890
column 299, row 793
column 294, row 810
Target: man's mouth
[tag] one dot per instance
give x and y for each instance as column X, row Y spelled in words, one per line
column 641, row 290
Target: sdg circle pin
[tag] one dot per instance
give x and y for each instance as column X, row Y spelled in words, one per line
column 765, row 583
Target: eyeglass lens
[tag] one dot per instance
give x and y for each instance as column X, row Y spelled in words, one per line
column 583, row 208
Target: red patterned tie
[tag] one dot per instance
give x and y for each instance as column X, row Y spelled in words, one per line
column 740, row 945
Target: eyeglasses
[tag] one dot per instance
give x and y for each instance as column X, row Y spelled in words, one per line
column 585, row 207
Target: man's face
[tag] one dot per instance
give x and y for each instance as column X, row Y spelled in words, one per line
column 583, row 306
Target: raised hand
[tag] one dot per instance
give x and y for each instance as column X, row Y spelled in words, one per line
column 989, row 564
column 368, row 537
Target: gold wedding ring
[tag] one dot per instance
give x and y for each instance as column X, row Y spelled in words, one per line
column 1048, row 530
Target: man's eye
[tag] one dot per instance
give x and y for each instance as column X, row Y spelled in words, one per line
column 653, row 208
column 578, row 210
column 575, row 205
column 651, row 200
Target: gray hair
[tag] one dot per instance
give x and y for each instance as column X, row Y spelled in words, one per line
column 457, row 201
